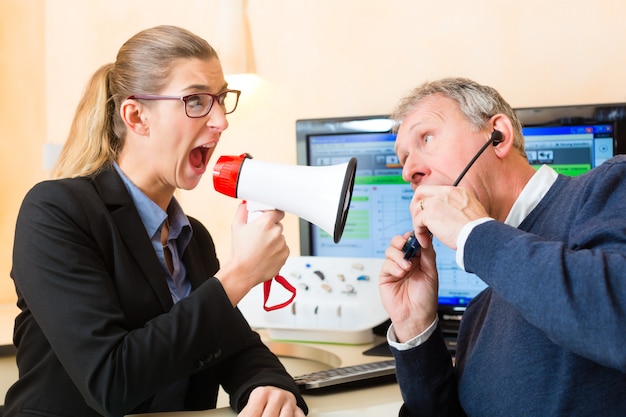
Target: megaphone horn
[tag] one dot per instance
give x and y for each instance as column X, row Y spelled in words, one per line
column 318, row 194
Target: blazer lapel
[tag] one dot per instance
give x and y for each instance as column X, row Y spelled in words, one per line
column 130, row 227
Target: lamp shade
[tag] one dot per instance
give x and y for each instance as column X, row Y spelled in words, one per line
column 233, row 40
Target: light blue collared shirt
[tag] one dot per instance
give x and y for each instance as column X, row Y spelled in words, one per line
column 153, row 218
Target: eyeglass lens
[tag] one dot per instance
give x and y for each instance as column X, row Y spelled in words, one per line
column 198, row 105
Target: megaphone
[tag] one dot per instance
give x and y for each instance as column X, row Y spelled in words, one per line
column 318, row 194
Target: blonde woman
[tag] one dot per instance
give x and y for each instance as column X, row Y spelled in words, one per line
column 124, row 305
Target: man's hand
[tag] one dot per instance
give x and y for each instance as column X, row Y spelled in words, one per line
column 409, row 289
column 444, row 210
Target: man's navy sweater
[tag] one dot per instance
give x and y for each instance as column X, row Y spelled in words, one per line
column 548, row 337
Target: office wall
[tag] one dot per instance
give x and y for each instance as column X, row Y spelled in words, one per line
column 22, row 117
column 313, row 58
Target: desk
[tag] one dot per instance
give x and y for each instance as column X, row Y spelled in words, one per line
column 7, row 321
column 8, row 367
column 366, row 402
column 298, row 358
column 301, row 358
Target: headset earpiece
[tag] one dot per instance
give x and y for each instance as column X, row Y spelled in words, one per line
column 496, row 137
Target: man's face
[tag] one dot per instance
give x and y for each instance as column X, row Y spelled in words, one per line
column 435, row 142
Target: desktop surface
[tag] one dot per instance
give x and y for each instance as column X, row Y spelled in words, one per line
column 378, row 401
column 301, row 358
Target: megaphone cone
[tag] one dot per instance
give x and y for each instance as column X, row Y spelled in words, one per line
column 318, row 194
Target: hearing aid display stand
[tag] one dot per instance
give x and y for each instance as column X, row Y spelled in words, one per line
column 337, row 301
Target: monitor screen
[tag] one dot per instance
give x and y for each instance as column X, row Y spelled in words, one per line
column 571, row 139
column 570, row 150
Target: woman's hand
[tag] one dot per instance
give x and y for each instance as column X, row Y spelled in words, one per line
column 259, row 250
column 271, row 402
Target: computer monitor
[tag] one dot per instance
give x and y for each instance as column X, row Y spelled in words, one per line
column 572, row 139
column 570, row 150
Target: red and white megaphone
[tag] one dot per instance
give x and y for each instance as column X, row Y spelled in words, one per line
column 318, row 194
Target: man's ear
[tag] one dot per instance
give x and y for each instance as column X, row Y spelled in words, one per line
column 135, row 117
column 503, row 124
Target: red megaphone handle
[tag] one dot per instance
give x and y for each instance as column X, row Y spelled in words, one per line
column 266, row 293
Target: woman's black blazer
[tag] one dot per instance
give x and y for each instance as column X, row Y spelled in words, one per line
column 98, row 333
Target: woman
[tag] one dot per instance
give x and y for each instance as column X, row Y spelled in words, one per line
column 124, row 305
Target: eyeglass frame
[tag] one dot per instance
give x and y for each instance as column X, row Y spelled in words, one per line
column 214, row 98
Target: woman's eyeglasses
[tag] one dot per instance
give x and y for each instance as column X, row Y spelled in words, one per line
column 199, row 104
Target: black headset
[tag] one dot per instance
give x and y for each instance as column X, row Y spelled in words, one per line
column 496, row 137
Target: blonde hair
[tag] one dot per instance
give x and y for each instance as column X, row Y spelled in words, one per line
column 142, row 65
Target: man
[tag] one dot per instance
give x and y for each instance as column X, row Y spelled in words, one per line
column 522, row 351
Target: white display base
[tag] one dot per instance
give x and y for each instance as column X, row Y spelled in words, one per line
column 337, row 301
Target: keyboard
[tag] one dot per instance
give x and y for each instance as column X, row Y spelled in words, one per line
column 348, row 376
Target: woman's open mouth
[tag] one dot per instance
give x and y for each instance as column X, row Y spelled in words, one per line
column 199, row 157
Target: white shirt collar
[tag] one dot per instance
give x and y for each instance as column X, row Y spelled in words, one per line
column 531, row 195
